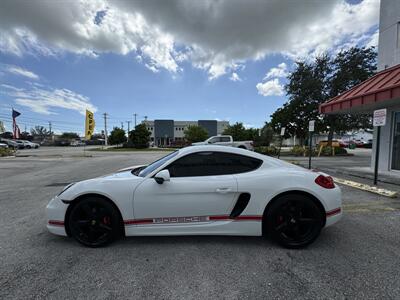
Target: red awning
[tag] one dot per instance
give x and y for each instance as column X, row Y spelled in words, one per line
column 379, row 91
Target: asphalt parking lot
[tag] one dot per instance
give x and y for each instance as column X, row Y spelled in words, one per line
column 357, row 258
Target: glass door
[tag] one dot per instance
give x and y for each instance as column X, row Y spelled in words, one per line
column 396, row 142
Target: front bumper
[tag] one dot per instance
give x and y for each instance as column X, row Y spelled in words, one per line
column 56, row 211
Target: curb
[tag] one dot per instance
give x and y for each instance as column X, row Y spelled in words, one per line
column 366, row 187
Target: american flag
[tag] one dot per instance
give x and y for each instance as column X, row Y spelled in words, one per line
column 16, row 131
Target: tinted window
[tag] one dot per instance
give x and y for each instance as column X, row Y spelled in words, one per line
column 225, row 139
column 158, row 163
column 212, row 163
column 214, row 140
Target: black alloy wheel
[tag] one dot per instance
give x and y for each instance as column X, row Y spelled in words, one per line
column 94, row 222
column 294, row 221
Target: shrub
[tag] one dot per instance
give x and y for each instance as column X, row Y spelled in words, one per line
column 327, row 151
column 267, row 150
column 6, row 152
column 302, row 151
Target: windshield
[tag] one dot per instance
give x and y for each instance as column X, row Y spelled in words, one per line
column 150, row 168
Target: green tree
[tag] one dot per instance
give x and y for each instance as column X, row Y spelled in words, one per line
column 350, row 68
column 237, row 131
column 266, row 135
column 69, row 135
column 40, row 131
column 117, row 136
column 195, row 134
column 313, row 83
column 139, row 137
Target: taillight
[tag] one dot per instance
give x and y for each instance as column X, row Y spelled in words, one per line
column 325, row 181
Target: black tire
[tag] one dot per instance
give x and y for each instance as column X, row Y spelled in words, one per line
column 94, row 222
column 28, row 147
column 294, row 221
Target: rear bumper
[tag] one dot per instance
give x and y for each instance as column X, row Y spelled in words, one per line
column 333, row 216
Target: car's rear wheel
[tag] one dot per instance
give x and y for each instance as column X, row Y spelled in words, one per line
column 294, row 220
column 94, row 222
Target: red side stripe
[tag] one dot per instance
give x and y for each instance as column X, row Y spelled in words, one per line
column 211, row 218
column 135, row 222
column 249, row 218
column 56, row 223
column 218, row 218
column 333, row 212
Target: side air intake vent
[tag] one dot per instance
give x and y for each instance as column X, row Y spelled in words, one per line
column 240, row 205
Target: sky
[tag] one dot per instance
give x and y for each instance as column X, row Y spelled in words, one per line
column 172, row 59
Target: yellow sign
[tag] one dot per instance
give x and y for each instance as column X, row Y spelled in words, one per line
column 89, row 125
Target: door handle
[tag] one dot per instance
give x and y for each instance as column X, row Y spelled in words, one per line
column 223, row 190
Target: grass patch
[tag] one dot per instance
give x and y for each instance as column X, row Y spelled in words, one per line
column 121, row 149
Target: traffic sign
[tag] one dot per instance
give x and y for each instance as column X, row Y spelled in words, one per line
column 283, row 131
column 379, row 117
column 311, row 125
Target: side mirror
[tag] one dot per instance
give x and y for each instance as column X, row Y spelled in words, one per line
column 162, row 176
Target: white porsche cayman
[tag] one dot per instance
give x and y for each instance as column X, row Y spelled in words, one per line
column 200, row 190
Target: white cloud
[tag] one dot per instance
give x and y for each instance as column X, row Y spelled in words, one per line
column 270, row 88
column 43, row 100
column 278, row 72
column 22, row 72
column 235, row 77
column 212, row 35
column 373, row 39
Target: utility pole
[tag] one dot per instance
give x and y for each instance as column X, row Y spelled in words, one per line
column 50, row 128
column 105, row 129
column 129, row 122
column 122, row 125
column 135, row 115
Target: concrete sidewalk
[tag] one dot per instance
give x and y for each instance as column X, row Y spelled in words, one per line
column 358, row 165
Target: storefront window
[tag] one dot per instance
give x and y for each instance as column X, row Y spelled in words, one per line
column 396, row 143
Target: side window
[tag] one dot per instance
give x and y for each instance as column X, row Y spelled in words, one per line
column 215, row 140
column 225, row 139
column 196, row 164
column 211, row 164
column 230, row 163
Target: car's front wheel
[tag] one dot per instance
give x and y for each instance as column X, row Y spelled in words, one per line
column 294, row 220
column 94, row 222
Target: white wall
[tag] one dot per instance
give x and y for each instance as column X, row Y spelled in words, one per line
column 389, row 35
column 385, row 149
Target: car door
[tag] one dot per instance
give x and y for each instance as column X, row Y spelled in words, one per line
column 198, row 189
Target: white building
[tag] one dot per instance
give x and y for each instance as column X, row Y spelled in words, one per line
column 382, row 91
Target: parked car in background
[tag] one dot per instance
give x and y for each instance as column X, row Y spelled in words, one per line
column 368, row 144
column 16, row 144
column 3, row 145
column 77, row 143
column 226, row 140
column 30, row 145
